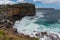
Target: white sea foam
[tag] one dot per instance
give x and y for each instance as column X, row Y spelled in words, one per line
column 28, row 26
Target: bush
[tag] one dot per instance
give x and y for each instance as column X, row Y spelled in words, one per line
column 35, row 39
column 2, row 32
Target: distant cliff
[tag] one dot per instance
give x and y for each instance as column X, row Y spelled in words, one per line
column 45, row 9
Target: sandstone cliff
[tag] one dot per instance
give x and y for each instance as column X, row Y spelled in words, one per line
column 10, row 13
column 23, row 9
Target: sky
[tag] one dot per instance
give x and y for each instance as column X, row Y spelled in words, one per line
column 39, row 3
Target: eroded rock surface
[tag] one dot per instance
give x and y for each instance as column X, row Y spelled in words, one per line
column 10, row 13
column 47, row 36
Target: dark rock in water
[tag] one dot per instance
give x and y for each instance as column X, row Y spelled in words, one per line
column 47, row 36
column 10, row 13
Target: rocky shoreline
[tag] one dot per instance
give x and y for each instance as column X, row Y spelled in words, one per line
column 12, row 34
column 47, row 36
column 8, row 15
column 11, row 13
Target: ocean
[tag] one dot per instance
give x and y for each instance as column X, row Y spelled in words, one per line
column 43, row 21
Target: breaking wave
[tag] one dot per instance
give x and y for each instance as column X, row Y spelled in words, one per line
column 38, row 23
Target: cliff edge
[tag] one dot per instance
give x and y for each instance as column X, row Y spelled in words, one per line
column 10, row 13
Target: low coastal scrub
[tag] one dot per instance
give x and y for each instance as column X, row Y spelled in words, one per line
column 5, row 36
column 2, row 32
column 35, row 39
column 14, row 37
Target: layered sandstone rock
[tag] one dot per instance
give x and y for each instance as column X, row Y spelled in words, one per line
column 10, row 13
column 23, row 9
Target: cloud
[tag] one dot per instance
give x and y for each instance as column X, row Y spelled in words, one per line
column 48, row 1
column 20, row 0
column 6, row 2
column 10, row 1
column 23, row 1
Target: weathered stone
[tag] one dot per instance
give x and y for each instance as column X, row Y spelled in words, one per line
column 10, row 13
column 24, row 9
column 47, row 36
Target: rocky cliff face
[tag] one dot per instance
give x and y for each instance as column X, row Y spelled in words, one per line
column 10, row 13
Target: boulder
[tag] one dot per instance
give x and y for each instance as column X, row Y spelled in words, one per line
column 47, row 36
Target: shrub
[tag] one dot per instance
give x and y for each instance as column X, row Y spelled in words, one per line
column 2, row 32
column 35, row 39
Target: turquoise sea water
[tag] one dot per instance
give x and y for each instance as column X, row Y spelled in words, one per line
column 43, row 21
column 49, row 25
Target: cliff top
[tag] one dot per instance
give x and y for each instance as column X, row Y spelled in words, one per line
column 19, row 4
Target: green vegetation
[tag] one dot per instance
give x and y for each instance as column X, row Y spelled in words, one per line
column 15, row 37
column 2, row 32
column 4, row 36
column 11, row 37
column 35, row 39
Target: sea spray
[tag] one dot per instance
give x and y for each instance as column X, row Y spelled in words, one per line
column 28, row 25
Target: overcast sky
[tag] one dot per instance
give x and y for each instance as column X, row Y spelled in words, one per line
column 38, row 3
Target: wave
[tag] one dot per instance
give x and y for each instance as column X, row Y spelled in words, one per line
column 30, row 25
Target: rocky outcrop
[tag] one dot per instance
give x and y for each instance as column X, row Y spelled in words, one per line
column 24, row 9
column 11, row 34
column 47, row 36
column 10, row 13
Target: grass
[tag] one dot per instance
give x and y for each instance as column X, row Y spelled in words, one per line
column 14, row 36
column 2, row 32
column 35, row 39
